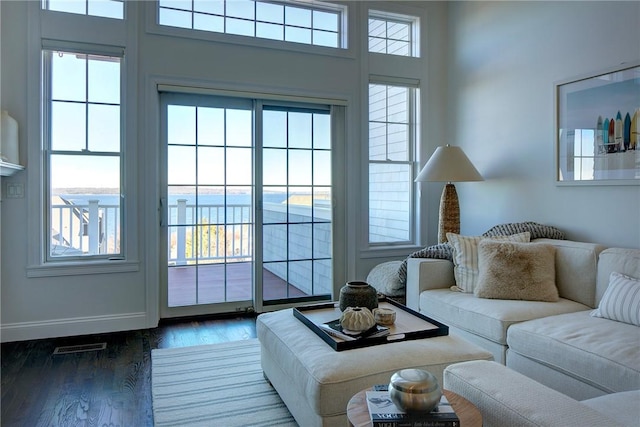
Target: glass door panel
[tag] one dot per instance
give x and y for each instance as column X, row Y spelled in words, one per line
column 210, row 204
column 296, row 194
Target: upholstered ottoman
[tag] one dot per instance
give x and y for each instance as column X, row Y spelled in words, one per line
column 316, row 382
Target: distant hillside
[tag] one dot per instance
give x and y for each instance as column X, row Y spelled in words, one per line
column 85, row 190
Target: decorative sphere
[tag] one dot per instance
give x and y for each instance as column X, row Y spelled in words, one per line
column 414, row 390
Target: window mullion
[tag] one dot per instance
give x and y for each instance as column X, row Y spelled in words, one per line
column 86, row 104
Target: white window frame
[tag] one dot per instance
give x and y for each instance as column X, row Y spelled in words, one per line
column 346, row 21
column 414, row 30
column 49, row 151
column 86, row 4
column 413, row 114
column 69, row 32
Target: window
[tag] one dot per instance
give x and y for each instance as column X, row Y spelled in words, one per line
column 82, row 148
column 284, row 21
column 104, row 8
column 392, row 111
column 393, row 34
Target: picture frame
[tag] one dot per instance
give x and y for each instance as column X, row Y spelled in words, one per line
column 597, row 128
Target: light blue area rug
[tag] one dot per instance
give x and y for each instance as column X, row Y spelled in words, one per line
column 214, row 385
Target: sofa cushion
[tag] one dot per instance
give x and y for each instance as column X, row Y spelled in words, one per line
column 623, row 407
column 621, row 260
column 576, row 269
column 508, row 398
column 593, row 350
column 621, row 300
column 512, row 270
column 488, row 318
column 465, row 256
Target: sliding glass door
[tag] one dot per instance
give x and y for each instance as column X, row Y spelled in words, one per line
column 296, row 195
column 246, row 206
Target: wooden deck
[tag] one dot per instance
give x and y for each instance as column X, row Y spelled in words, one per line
column 211, row 287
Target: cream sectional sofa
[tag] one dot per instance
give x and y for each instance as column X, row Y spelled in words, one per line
column 507, row 398
column 556, row 343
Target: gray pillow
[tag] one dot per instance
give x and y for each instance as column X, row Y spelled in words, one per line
column 384, row 277
column 517, row 271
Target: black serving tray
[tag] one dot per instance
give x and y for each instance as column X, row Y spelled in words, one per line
column 409, row 325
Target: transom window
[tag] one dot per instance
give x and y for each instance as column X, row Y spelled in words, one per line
column 393, row 34
column 314, row 25
column 104, row 8
column 83, row 161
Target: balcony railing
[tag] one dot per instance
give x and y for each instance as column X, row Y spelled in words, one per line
column 210, row 239
column 211, row 234
column 84, row 229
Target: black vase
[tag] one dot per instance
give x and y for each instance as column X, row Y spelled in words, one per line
column 358, row 294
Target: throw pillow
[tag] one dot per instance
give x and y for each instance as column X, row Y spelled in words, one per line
column 384, row 277
column 512, row 270
column 465, row 256
column 621, row 300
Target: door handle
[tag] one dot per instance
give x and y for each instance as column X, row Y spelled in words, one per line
column 163, row 211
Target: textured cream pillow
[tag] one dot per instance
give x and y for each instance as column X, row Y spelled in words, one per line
column 512, row 270
column 465, row 256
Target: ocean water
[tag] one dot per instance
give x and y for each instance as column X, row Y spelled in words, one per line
column 235, row 215
column 207, row 199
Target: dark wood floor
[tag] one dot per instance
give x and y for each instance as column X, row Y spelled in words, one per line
column 110, row 387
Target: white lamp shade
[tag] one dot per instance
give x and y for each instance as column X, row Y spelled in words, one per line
column 449, row 164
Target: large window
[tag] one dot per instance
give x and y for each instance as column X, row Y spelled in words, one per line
column 82, row 148
column 104, row 8
column 315, row 24
column 393, row 34
column 392, row 111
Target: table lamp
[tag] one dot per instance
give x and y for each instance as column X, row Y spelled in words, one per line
column 448, row 164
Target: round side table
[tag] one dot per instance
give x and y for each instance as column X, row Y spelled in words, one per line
column 358, row 413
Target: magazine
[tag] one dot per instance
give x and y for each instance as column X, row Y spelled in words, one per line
column 384, row 413
column 334, row 329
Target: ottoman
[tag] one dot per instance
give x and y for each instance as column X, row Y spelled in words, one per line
column 316, row 382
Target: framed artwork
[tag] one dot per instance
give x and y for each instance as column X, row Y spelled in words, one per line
column 598, row 128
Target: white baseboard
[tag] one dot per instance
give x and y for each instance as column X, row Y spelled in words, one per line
column 74, row 326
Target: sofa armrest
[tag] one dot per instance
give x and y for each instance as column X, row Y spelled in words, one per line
column 508, row 398
column 427, row 273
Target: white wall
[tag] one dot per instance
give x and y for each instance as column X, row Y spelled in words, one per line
column 493, row 96
column 504, row 60
column 79, row 304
